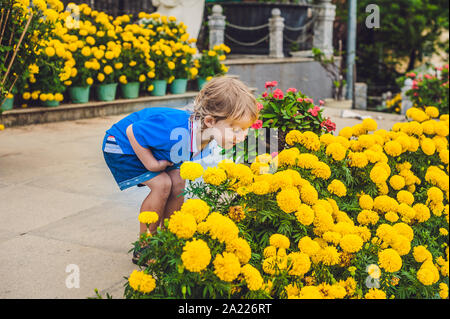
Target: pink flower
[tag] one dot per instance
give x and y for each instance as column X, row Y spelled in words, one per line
column 278, row 94
column 330, row 126
column 271, row 84
column 257, row 124
column 314, row 111
column 427, row 76
column 446, row 66
column 274, row 154
column 439, row 68
column 411, row 75
column 259, row 106
column 321, row 102
column 265, row 94
column 293, row 90
column 310, row 101
column 300, row 100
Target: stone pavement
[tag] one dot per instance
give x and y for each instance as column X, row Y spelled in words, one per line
column 60, row 206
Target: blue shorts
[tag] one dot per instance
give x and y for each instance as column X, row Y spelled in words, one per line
column 127, row 169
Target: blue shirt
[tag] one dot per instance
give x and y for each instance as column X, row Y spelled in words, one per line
column 165, row 131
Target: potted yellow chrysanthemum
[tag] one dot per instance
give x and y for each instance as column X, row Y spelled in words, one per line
column 209, row 65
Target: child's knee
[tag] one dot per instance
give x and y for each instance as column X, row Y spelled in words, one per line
column 161, row 184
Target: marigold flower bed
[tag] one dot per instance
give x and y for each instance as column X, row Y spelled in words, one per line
column 363, row 214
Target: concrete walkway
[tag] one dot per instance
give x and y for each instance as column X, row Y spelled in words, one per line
column 59, row 206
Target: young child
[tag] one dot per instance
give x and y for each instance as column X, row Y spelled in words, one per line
column 143, row 149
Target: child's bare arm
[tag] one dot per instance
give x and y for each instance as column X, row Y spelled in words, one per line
column 145, row 155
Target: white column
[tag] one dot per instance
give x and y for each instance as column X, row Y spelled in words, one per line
column 406, row 102
column 323, row 27
column 216, row 24
column 276, row 26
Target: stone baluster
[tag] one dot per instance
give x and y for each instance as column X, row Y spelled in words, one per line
column 276, row 26
column 216, row 24
column 323, row 27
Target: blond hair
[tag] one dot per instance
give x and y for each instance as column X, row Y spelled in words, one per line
column 225, row 98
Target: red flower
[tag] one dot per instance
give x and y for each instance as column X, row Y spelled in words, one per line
column 411, row 75
column 257, row 124
column 259, row 106
column 429, row 77
column 300, row 100
column 314, row 111
column 330, row 126
column 278, row 94
column 309, row 101
column 265, row 94
column 321, row 102
column 293, row 90
column 271, row 84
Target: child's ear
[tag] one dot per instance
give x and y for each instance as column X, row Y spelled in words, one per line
column 209, row 121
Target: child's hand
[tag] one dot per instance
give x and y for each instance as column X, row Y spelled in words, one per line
column 160, row 165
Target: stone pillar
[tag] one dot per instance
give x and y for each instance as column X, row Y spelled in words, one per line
column 276, row 26
column 323, row 27
column 406, row 102
column 360, row 96
column 216, row 24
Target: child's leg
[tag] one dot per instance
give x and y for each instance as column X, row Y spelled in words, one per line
column 160, row 186
column 174, row 201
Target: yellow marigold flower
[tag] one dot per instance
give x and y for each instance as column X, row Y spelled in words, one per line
column 397, row 182
column 389, row 260
column 191, row 170
column 444, row 156
column 308, row 246
column 427, row 145
column 385, row 204
column 422, row 212
column 305, row 214
column 293, row 137
column 393, row 148
column 252, row 277
column 221, row 227
column 428, row 274
column 182, row 224
column 443, row 290
column 346, row 132
column 338, row 188
column 148, row 217
column 323, row 220
column 366, row 202
column 279, row 241
column 123, row 79
column 227, row 266
column 310, row 292
column 197, row 208
column 421, row 254
column 142, row 282
column 432, row 111
column 332, row 237
column 288, row 199
column 214, row 176
column 374, row 293
column 405, row 197
column 236, row 213
column 260, row 187
column 100, row 77
column 321, row 170
column 336, row 151
column 196, row 255
column 391, row 217
column 329, row 256
column 299, row 263
column 288, row 156
column 310, row 140
column 435, row 195
column 358, row 159
column 240, row 248
column 270, row 251
column 351, row 243
column 309, row 194
column 366, row 217
column 369, row 124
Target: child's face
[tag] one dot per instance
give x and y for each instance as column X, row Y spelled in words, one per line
column 228, row 133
